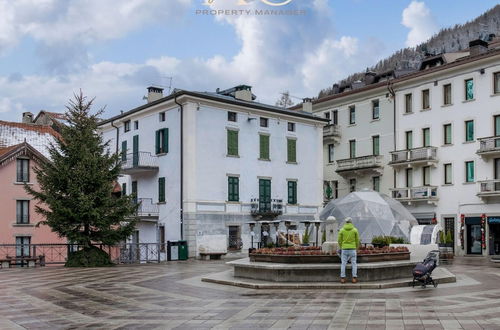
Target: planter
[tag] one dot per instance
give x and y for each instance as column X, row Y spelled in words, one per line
column 317, row 259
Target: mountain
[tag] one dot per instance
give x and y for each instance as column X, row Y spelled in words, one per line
column 447, row 40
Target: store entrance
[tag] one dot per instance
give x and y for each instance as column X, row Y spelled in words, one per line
column 474, row 239
column 494, row 238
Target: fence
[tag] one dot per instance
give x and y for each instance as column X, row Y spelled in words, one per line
column 58, row 253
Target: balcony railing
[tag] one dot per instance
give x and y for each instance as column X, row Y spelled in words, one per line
column 416, row 155
column 415, row 194
column 137, row 162
column 331, row 131
column 489, row 145
column 270, row 208
column 147, row 209
column 359, row 163
column 489, row 188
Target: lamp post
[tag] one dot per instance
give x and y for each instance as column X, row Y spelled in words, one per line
column 252, row 234
column 317, row 224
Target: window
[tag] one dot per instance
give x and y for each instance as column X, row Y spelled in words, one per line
column 408, row 104
column 469, row 171
column 161, row 230
column 352, row 115
column 264, row 147
column 233, row 189
column 327, row 115
column 124, row 151
column 264, row 122
column 352, row 149
column 22, row 212
column 134, row 191
column 447, row 174
column 447, row 134
column 469, row 89
column 335, row 186
column 161, row 190
column 162, row 116
column 426, row 137
column 375, row 109
column 136, row 124
column 291, row 145
column 409, row 177
column 124, row 189
column 376, row 183
column 232, row 143
column 291, row 127
column 292, row 192
column 447, row 94
column 352, row 185
column 376, row 145
column 331, row 153
column 162, row 141
column 409, row 140
column 335, row 120
column 496, row 83
column 23, row 170
column 23, row 246
column 126, row 126
column 469, row 130
column 426, row 102
column 496, row 125
column 426, row 176
column 232, row 116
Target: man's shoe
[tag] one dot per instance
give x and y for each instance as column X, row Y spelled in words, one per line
column 342, row 280
column 354, row 280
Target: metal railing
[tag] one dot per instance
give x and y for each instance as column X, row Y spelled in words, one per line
column 489, row 187
column 415, row 193
column 272, row 207
column 147, row 208
column 331, row 130
column 358, row 163
column 139, row 159
column 489, row 144
column 414, row 155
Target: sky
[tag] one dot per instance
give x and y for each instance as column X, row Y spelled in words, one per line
column 113, row 50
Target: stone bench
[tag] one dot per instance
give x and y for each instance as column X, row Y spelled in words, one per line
column 29, row 261
column 212, row 255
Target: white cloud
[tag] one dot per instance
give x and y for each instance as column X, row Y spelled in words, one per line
column 418, row 18
column 6, row 105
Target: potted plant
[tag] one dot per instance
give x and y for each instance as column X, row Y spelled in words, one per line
column 306, row 237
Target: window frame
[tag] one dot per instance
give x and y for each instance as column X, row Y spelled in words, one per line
column 291, row 125
column 375, row 109
column 162, row 116
column 136, row 124
column 496, row 83
column 426, row 143
column 445, row 136
column 331, row 153
column 376, row 183
column 232, row 150
column 23, row 170
column 447, row 88
column 162, row 190
column 409, row 103
column 448, row 170
column 352, row 148
column 352, row 184
column 409, row 141
column 426, row 97
column 466, row 131
column 352, row 115
column 264, row 154
column 233, row 188
column 466, row 81
column 126, row 126
column 22, row 212
column 426, row 176
column 292, row 192
column 264, row 122
column 232, row 116
column 162, row 141
column 467, row 179
column 291, row 145
column 376, row 146
column 335, row 117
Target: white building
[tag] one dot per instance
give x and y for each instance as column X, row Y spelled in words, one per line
column 229, row 159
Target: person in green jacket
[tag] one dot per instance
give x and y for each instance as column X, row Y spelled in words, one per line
column 348, row 240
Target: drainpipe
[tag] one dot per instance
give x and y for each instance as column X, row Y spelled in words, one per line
column 182, row 168
column 117, row 134
column 393, row 94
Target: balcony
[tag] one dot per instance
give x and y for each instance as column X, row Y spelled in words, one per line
column 362, row 164
column 266, row 209
column 489, row 146
column 331, row 133
column 147, row 210
column 416, row 194
column 489, row 188
column 139, row 162
column 414, row 157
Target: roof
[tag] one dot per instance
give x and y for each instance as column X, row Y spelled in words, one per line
column 7, row 149
column 38, row 136
column 25, row 149
column 220, row 98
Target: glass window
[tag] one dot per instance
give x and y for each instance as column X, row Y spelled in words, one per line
column 447, row 174
column 291, row 127
column 136, row 124
column 497, row 125
column 375, row 109
column 335, row 188
column 291, row 150
column 233, row 189
column 264, row 147
column 23, row 247
column 22, row 212
column 469, row 89
column 327, row 115
column 162, row 116
column 162, row 141
column 426, row 103
column 408, row 103
column 126, row 126
column 376, row 145
column 264, row 122
column 469, row 130
column 352, row 115
column 376, row 183
column 352, row 149
column 124, row 151
column 409, row 140
column 232, row 143
column 23, row 170
column 232, row 116
column 161, row 190
column 447, row 134
column 426, row 175
column 335, row 119
column 469, row 171
column 292, row 192
column 331, row 153
column 352, row 185
column 447, row 94
column 496, row 82
column 409, row 177
column 426, row 137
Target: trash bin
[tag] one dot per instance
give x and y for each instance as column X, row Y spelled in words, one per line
column 183, row 250
column 172, row 250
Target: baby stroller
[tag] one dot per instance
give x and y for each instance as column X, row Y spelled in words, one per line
column 422, row 273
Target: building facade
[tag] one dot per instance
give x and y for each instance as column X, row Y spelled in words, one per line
column 204, row 165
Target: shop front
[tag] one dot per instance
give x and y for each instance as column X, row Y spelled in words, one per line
column 494, row 235
column 474, row 232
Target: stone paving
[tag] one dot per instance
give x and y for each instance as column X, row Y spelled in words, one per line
column 172, row 296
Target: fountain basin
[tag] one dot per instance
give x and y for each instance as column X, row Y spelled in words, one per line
column 318, row 259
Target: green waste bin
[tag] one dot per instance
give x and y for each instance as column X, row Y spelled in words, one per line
column 183, row 250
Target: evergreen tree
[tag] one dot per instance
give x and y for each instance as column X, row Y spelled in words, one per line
column 76, row 185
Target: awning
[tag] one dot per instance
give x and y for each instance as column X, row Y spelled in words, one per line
column 424, row 215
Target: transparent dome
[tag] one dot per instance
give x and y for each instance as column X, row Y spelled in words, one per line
column 373, row 214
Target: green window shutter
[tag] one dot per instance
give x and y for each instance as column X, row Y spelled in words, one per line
column 469, row 130
column 292, row 192
column 161, row 190
column 124, row 150
column 264, row 146
column 469, row 89
column 232, row 143
column 470, row 171
column 165, row 140
column 292, row 151
column 376, row 146
column 233, row 189
column 157, row 144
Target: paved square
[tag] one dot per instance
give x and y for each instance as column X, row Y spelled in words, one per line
column 172, row 296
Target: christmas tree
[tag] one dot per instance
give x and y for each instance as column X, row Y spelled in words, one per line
column 76, row 188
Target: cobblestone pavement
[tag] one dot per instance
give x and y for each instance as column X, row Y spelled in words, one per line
column 172, row 296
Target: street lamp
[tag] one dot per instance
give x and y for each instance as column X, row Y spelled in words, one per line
column 252, row 234
column 317, row 223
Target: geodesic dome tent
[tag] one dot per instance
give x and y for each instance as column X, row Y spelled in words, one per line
column 373, row 214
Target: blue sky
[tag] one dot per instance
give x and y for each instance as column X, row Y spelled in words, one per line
column 113, row 50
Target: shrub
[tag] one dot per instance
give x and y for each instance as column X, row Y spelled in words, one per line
column 89, row 257
column 386, row 240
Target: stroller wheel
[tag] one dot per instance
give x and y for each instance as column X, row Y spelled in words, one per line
column 424, row 286
column 435, row 284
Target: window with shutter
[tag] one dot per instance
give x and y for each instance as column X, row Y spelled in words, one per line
column 232, row 143
column 447, row 134
column 161, row 190
column 292, row 192
column 23, row 170
column 233, row 189
column 124, row 150
column 264, row 147
column 376, row 145
column 124, row 189
column 165, row 140
column 291, row 151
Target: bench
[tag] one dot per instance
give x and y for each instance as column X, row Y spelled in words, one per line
column 212, row 255
column 29, row 261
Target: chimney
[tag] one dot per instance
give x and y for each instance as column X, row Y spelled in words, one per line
column 369, row 77
column 477, row 47
column 27, row 118
column 154, row 93
column 307, row 105
column 244, row 93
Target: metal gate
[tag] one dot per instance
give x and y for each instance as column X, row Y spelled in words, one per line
column 235, row 238
column 449, row 226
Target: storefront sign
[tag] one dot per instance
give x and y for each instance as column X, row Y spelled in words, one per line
column 493, row 220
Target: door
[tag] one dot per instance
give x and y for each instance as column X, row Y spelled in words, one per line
column 474, row 239
column 135, row 247
column 235, row 238
column 134, row 191
column 449, row 227
column 23, row 246
column 264, row 195
column 135, row 151
column 494, row 238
